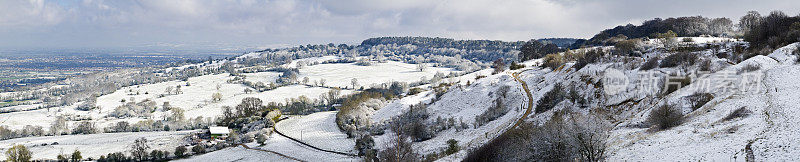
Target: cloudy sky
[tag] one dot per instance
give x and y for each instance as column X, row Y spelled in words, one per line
column 265, row 23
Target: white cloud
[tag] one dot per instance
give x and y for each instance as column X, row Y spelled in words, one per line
column 260, row 22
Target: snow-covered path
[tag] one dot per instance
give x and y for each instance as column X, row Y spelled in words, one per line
column 781, row 140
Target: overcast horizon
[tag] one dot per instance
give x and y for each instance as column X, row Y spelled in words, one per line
column 268, row 24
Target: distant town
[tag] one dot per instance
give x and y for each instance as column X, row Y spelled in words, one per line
column 33, row 67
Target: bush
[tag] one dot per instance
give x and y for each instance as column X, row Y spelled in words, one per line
column 157, row 155
column 399, row 150
column 579, row 138
column 665, row 117
column 199, row 149
column 697, row 100
column 678, row 59
column 589, row 57
column 551, row 99
column 553, row 61
column 494, row 112
column 18, row 153
column 687, row 39
column 415, row 90
column 76, row 156
column 412, row 123
column 705, row 65
column 797, row 53
column 499, row 66
column 514, row 66
column 180, row 151
column 649, row 64
column 673, row 83
column 452, row 147
column 365, row 145
column 748, row 68
column 113, row 157
column 626, row 47
column 85, row 127
column 738, row 113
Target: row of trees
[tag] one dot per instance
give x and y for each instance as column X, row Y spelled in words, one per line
column 682, row 26
column 773, row 31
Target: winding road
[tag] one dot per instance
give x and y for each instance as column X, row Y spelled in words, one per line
column 530, row 99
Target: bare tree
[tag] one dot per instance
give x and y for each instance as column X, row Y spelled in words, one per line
column 421, row 67
column 354, row 82
column 139, row 149
column 59, row 126
column 168, row 90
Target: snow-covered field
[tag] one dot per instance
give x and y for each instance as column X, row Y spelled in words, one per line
column 319, row 130
column 276, row 143
column 238, row 153
column 263, row 77
column 341, row 75
column 94, row 145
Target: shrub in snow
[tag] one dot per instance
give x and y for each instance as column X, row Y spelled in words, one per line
column 85, row 127
column 494, row 112
column 514, row 66
column 738, row 113
column 76, row 156
column 680, row 58
column 354, row 114
column 180, row 151
column 365, row 145
column 415, row 90
column 199, row 149
column 132, row 109
column 551, row 98
column 681, row 82
column 553, row 61
column 412, row 123
column 452, row 147
column 649, row 64
column 705, row 65
column 18, row 153
column 157, row 155
column 398, row 149
column 627, row 47
column 587, row 58
column 665, row 117
column 697, row 100
column 797, row 53
column 499, row 65
column 748, row 68
column 113, row 157
column 565, row 137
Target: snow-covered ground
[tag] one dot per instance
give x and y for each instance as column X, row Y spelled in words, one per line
column 319, row 130
column 341, row 75
column 704, row 136
column 263, row 77
column 461, row 103
column 94, row 145
column 238, row 153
